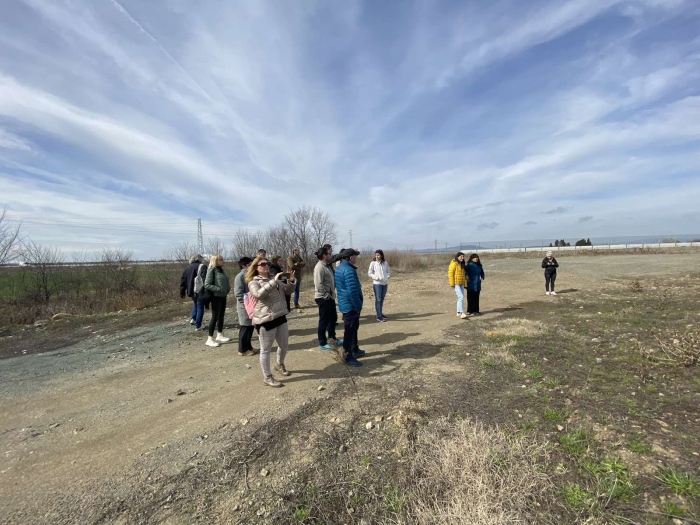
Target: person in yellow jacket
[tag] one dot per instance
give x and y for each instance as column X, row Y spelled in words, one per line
column 458, row 279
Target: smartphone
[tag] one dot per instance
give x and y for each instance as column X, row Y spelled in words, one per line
column 284, row 275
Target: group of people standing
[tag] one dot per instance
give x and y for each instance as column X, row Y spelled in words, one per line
column 263, row 281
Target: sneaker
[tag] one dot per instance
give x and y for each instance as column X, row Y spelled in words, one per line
column 271, row 381
column 385, row 318
column 464, row 316
column 546, row 293
column 197, row 329
column 297, row 306
column 554, row 293
column 221, row 339
column 192, row 321
column 326, row 347
column 459, row 314
column 380, row 320
column 212, row 343
column 339, row 342
column 282, row 370
column 353, row 362
column 246, row 353
column 359, row 353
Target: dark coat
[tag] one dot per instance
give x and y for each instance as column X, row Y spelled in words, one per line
column 475, row 274
column 187, row 278
column 217, row 282
column 550, row 265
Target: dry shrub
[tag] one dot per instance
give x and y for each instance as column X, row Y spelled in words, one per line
column 677, row 349
column 519, row 327
column 464, row 473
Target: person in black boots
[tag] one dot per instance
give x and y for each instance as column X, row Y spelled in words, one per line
column 240, row 288
column 475, row 274
column 550, row 265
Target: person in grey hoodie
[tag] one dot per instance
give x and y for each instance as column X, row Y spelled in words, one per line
column 240, row 288
column 379, row 273
column 324, row 295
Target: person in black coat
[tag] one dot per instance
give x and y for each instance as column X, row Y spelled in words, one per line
column 187, row 288
column 550, row 265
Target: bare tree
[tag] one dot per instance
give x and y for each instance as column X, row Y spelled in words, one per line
column 117, row 273
column 279, row 241
column 181, row 252
column 215, row 245
column 10, row 238
column 44, row 269
column 323, row 229
column 246, row 243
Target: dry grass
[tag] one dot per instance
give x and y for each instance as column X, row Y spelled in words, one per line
column 519, row 327
column 464, row 473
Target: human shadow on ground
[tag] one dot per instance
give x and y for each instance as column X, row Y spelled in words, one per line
column 403, row 316
column 568, row 290
column 375, row 363
column 502, row 310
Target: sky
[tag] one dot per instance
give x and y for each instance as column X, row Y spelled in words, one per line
column 408, row 122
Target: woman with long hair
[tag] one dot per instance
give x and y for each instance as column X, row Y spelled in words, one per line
column 240, row 288
column 475, row 274
column 270, row 317
column 218, row 285
column 457, row 278
column 379, row 273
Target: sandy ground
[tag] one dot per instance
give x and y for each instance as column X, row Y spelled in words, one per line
column 78, row 418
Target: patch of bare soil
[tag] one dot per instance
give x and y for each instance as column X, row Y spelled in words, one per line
column 144, row 424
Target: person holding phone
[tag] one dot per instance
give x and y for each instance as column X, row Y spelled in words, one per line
column 295, row 264
column 270, row 317
column 550, row 265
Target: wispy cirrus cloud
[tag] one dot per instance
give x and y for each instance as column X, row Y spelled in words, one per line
column 158, row 113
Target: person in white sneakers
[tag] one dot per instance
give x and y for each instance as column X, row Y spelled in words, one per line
column 218, row 286
column 379, row 273
column 550, row 265
column 270, row 317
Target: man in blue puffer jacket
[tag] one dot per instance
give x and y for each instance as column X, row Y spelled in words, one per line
column 349, row 292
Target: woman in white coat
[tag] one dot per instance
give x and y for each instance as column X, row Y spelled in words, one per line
column 379, row 273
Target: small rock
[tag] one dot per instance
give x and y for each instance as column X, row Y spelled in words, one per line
column 180, row 392
column 168, row 401
column 264, row 473
column 369, row 425
column 598, row 360
column 244, row 422
column 560, row 428
column 54, row 425
column 342, row 448
column 61, row 315
column 321, row 388
column 378, row 419
column 595, row 340
column 248, row 366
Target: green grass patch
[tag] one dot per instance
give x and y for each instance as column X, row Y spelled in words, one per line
column 681, row 483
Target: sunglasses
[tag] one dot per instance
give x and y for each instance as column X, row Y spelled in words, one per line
column 264, row 264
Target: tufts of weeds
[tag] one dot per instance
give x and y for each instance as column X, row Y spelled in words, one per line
column 577, row 497
column 612, row 478
column 681, row 483
column 575, row 443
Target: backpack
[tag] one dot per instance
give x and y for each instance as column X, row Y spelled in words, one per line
column 249, row 301
column 198, row 281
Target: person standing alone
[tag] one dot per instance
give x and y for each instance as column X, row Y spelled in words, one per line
column 350, row 299
column 475, row 274
column 295, row 264
column 550, row 265
column 379, row 273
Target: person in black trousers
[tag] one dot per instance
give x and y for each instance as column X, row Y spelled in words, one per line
column 475, row 274
column 550, row 265
column 218, row 286
column 324, row 295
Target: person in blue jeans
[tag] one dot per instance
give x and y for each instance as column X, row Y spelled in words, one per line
column 379, row 273
column 196, row 267
column 349, row 292
column 295, row 264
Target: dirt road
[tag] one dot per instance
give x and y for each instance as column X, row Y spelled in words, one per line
column 73, row 421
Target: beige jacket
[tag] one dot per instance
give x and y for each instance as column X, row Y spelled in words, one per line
column 270, row 295
column 295, row 264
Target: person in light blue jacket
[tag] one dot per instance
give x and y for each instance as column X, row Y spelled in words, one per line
column 349, row 293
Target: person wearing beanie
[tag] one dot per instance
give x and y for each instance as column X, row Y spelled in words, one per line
column 475, row 274
column 240, row 288
column 550, row 265
column 192, row 287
